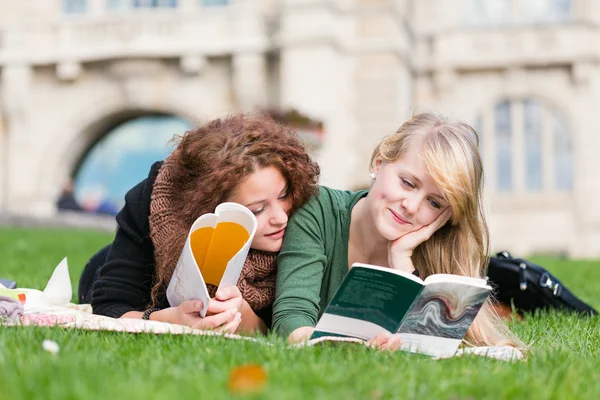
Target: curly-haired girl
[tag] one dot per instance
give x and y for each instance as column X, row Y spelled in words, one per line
column 245, row 158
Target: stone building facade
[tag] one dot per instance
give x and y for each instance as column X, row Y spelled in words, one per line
column 524, row 73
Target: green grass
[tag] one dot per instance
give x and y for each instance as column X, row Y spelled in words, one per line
column 109, row 365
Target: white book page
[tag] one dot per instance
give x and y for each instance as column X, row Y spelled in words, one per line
column 233, row 212
column 431, row 345
column 337, row 324
column 465, row 280
column 187, row 282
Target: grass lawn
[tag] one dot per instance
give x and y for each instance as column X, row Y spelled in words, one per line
column 108, row 365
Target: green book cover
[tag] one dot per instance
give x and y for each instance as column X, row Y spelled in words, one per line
column 370, row 298
column 431, row 316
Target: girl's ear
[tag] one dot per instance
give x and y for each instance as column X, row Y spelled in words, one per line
column 377, row 162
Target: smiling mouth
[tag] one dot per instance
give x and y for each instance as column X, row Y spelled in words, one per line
column 399, row 219
column 276, row 234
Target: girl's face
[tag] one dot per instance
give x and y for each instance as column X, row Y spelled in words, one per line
column 404, row 197
column 265, row 193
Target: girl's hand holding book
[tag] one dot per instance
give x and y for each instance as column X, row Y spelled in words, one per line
column 187, row 313
column 386, row 341
column 230, row 297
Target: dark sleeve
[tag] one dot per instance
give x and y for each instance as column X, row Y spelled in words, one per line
column 126, row 279
column 266, row 314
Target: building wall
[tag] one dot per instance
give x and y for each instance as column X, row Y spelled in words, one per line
column 466, row 70
column 360, row 66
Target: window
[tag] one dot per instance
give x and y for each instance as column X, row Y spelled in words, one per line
column 214, row 3
column 486, row 12
column 155, row 3
column 563, row 155
column 533, row 144
column 545, row 11
column 503, row 141
column 533, row 130
column 74, row 6
column 119, row 5
column 513, row 12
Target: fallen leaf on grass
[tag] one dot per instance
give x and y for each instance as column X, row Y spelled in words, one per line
column 249, row 378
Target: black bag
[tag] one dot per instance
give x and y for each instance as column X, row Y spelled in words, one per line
column 531, row 287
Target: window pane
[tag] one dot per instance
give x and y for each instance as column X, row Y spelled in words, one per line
column 502, row 128
column 211, row 3
column 122, row 159
column 486, row 12
column 546, row 11
column 166, row 3
column 533, row 144
column 74, row 6
column 563, row 155
column 155, row 3
column 117, row 5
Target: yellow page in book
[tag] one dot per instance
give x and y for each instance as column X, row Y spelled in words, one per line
column 214, row 253
column 214, row 247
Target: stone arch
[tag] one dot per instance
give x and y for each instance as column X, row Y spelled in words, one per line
column 86, row 126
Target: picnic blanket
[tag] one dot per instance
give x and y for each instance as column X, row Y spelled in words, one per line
column 52, row 307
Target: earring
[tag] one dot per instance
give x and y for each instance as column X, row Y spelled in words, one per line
column 372, row 175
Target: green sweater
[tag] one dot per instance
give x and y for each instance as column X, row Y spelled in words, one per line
column 313, row 259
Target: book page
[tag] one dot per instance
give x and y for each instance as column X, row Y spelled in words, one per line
column 214, row 253
column 467, row 280
column 440, row 317
column 232, row 213
column 368, row 302
column 186, row 282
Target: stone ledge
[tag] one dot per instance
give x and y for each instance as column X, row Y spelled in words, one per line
column 61, row 220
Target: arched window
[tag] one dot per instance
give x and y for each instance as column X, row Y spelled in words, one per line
column 116, row 5
column 74, row 6
column 526, row 147
column 493, row 13
column 122, row 158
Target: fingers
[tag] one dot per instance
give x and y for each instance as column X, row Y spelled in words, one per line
column 379, row 340
column 215, row 321
column 217, row 307
column 232, row 326
column 427, row 231
column 438, row 222
column 190, row 306
column 228, row 292
column 385, row 341
column 394, row 343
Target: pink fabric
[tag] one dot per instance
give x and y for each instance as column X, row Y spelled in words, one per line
column 10, row 308
column 46, row 319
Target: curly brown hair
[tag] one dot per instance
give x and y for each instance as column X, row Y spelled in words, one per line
column 209, row 162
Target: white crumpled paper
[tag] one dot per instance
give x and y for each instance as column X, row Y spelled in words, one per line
column 58, row 291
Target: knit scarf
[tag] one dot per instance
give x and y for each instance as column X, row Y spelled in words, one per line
column 169, row 232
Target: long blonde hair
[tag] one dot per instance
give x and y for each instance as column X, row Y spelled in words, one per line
column 450, row 152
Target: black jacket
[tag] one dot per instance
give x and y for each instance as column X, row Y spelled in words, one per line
column 125, row 279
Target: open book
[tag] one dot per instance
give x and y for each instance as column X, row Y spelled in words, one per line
column 214, row 253
column 431, row 316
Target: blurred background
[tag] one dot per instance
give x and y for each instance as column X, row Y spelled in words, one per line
column 92, row 91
